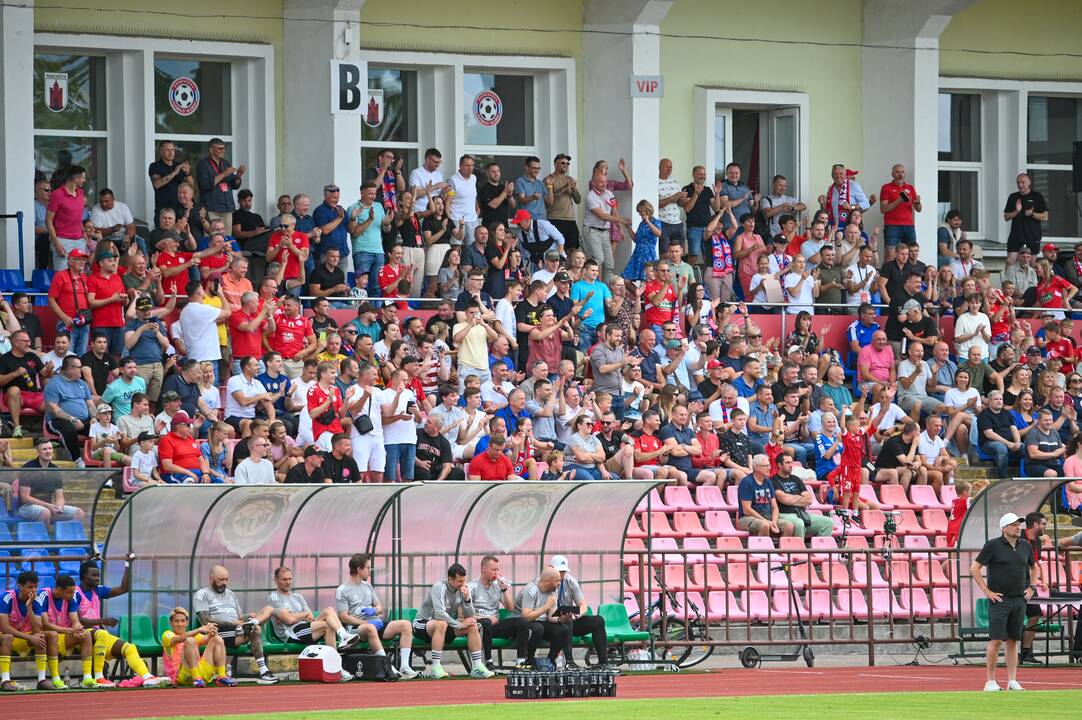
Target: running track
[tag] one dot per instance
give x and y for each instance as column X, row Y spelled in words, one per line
column 729, row 682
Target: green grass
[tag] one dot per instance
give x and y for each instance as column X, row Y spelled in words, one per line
column 1047, row 705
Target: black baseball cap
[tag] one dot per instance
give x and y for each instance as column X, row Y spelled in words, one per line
column 562, row 277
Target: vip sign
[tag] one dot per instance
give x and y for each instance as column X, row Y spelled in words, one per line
column 349, row 88
column 56, row 91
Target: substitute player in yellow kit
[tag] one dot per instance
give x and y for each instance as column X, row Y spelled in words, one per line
column 180, row 653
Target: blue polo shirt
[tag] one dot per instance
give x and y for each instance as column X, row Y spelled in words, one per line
column 862, row 334
column 742, row 387
column 581, row 289
column 763, row 417
column 684, row 437
column 525, row 186
column 511, row 418
column 337, row 238
column 70, row 395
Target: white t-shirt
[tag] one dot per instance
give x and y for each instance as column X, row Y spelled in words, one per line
column 773, row 201
column 962, row 270
column 250, row 471
column 756, row 287
column 920, row 384
column 803, row 299
column 418, row 179
column 860, row 274
column 247, row 389
column 545, row 276
column 145, row 463
column 97, row 430
column 400, row 432
column 893, row 415
column 670, row 214
column 464, row 202
column 967, row 323
column 955, row 398
column 716, row 413
column 199, row 331
column 564, row 431
column 929, row 447
column 119, row 214
column 489, row 394
column 300, row 397
column 371, row 408
column 505, row 313
column 56, row 360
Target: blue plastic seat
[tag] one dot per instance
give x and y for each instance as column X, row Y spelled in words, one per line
column 70, row 531
column 5, row 534
column 71, row 567
column 31, row 532
column 41, row 280
column 42, row 568
column 12, row 281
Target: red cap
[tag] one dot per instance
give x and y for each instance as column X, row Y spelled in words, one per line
column 180, row 418
column 78, row 253
column 1049, row 247
column 713, row 364
column 521, row 216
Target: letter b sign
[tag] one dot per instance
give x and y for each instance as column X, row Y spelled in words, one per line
column 349, row 86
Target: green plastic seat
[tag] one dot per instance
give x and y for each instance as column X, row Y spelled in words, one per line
column 618, row 624
column 142, row 634
column 403, row 614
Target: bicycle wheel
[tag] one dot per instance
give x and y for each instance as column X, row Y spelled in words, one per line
column 685, row 656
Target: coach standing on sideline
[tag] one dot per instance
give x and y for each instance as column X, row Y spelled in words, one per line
column 1007, row 560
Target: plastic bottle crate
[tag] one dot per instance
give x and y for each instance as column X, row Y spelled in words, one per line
column 534, row 684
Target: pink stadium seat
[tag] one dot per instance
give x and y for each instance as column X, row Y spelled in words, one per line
column 947, row 494
column 727, row 543
column 867, row 494
column 634, row 551
column 816, row 505
column 722, row 606
column 665, row 544
column 731, row 497
column 800, row 575
column 654, row 502
column 852, row 603
column 633, row 529
column 856, row 542
column 895, row 495
column 823, row 543
column 710, row 497
column 676, row 578
column 934, row 520
column 679, row 498
column 908, row 524
column 921, row 547
column 689, row 525
column 872, row 520
column 794, row 544
column 740, row 577
column 708, row 576
column 865, row 573
column 721, row 522
column 944, row 602
column 786, row 607
column 635, row 580
column 820, row 606
column 658, row 526
column 924, row 497
column 757, row 604
column 899, row 576
column 940, row 541
column 700, row 543
column 833, row 574
column 854, row 529
column 687, row 605
column 929, row 573
column 885, row 604
column 916, row 605
column 758, row 542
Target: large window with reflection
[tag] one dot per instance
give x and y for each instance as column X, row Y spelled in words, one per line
column 192, row 104
column 1053, row 124
column 960, row 159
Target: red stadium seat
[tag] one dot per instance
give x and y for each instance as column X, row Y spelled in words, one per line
column 792, row 543
column 710, row 497
column 687, row 606
column 635, row 579
column 823, row 543
column 760, row 542
column 924, row 497
column 921, row 547
column 731, row 497
column 929, row 573
column 832, row 575
column 899, row 575
column 895, row 495
column 854, row 529
column 853, row 603
column 689, row 525
column 873, row 521
column 934, row 520
column 701, row 543
column 652, row 501
column 908, row 524
column 679, row 498
column 820, row 605
column 865, row 574
column 867, row 494
column 757, row 603
column 721, row 522
column 885, row 604
column 633, row 529
column 916, row 605
column 656, row 524
column 947, row 495
column 944, row 602
column 708, row 576
column 739, row 576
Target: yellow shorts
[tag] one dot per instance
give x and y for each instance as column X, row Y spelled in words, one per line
column 103, row 642
column 23, row 648
column 66, row 645
column 203, row 671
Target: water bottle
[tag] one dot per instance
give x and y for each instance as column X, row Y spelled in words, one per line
column 560, row 662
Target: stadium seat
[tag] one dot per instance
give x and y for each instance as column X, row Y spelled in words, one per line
column 852, row 603
column 654, row 502
column 787, row 606
column 731, row 498
column 703, row 544
column 921, row 546
column 12, row 281
column 908, row 524
column 897, row 573
column 759, row 542
column 44, row 568
column 70, row 531
column 856, row 542
column 739, row 576
column 41, row 280
column 944, row 602
column 873, row 521
column 676, row 578
column 31, row 532
column 854, row 529
column 71, row 567
column 689, row 525
column 823, row 543
column 663, row 544
column 895, row 496
column 618, row 624
column 930, row 573
column 729, row 543
column 934, row 520
column 792, row 543
column 925, row 498
column 947, row 495
column 710, row 497
column 679, row 498
column 88, row 459
column 633, row 529
column 656, row 524
column 832, row 574
column 885, row 604
column 5, row 535
column 867, row 494
column 721, row 522
column 635, row 579
column 141, row 634
column 707, row 576
column 799, row 575
column 722, row 606
column 865, row 574
column 688, row 606
column 757, row 603
column 633, row 549
column 916, row 604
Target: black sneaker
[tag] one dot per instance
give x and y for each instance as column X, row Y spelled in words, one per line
column 490, row 665
column 267, row 678
column 570, row 665
column 1029, row 658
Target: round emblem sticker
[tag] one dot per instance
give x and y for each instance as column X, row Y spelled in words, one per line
column 184, row 96
column 488, row 108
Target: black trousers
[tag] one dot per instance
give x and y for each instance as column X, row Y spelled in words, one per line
column 557, row 635
column 593, row 625
column 69, row 436
column 509, row 627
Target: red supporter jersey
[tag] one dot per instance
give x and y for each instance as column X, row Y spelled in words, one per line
column 647, row 444
column 174, row 283
column 903, row 213
column 111, row 315
column 316, row 397
column 245, row 343
column 388, row 280
column 293, row 265
column 772, row 453
column 290, row 334
column 183, row 452
column 1050, row 292
column 853, row 449
column 658, row 314
column 1062, row 348
column 487, row 469
column 215, row 262
column 69, row 290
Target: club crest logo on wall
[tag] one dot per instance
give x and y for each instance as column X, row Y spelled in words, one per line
column 373, row 110
column 56, row 91
column 249, row 521
column 184, row 96
column 515, row 519
column 488, row 108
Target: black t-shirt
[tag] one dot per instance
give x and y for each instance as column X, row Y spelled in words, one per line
column 495, row 278
column 166, row 195
column 892, row 327
column 248, row 220
column 707, row 388
column 189, row 394
column 323, row 325
column 791, row 485
column 33, row 365
column 434, row 225
column 610, row 445
column 1000, row 423
column 326, row 279
column 789, row 417
column 1006, row 568
column 42, row 485
column 31, row 323
column 431, row 449
column 1025, row 230
column 99, row 370
column 486, row 193
column 527, row 313
column 341, row 471
column 298, row 474
column 888, row 454
column 894, row 277
column 408, row 233
column 701, row 212
column 924, row 328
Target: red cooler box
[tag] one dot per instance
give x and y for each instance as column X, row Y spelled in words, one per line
column 320, row 663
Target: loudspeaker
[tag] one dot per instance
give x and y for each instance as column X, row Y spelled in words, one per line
column 1076, row 162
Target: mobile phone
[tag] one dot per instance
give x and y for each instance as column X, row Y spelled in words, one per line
column 904, row 195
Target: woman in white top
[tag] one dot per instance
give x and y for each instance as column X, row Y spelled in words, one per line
column 963, row 403
column 884, row 415
column 972, row 329
column 299, row 398
column 382, row 349
column 798, row 284
column 209, row 392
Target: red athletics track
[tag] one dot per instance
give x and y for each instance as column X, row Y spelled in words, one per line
column 308, row 697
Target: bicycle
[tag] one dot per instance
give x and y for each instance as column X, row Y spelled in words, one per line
column 692, row 628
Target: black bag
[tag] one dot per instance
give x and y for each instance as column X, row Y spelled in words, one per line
column 363, row 423
column 366, row 666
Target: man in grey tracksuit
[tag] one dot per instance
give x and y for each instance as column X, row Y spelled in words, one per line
column 450, row 605
column 536, row 605
column 490, row 592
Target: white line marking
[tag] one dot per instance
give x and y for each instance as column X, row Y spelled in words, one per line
column 901, row 677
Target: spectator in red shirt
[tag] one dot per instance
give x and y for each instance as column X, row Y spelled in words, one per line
column 247, row 327
column 897, row 201
column 492, row 464
column 64, row 217
column 290, row 334
column 1059, row 346
column 289, row 246
column 179, row 455
column 649, row 450
column 175, row 264
column 325, row 406
column 107, row 297
column 69, row 303
column 659, row 298
column 1052, row 291
column 216, row 264
column 392, row 273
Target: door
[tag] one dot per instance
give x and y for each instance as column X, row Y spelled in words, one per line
column 723, row 143
column 784, row 151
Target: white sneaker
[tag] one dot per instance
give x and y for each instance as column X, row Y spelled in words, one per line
column 345, row 676
column 80, row 464
column 992, row 686
column 1015, row 685
column 407, row 673
column 348, row 641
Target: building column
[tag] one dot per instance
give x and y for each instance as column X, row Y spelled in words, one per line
column 901, row 102
column 322, row 147
column 615, row 125
column 17, row 132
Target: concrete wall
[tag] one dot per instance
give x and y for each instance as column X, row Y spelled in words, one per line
column 1040, row 26
column 830, row 75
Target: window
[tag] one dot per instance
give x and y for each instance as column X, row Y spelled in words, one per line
column 498, row 109
column 960, row 158
column 69, row 115
column 397, row 126
column 192, row 104
column 1053, row 124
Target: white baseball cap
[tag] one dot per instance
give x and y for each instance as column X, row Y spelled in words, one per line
column 1008, row 519
column 559, row 563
